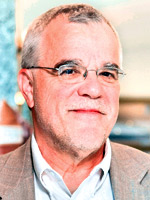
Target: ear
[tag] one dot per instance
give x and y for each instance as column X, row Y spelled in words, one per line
column 25, row 82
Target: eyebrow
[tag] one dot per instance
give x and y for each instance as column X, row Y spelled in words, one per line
column 67, row 62
column 78, row 62
column 111, row 65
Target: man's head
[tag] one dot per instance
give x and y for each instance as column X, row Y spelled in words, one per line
column 72, row 116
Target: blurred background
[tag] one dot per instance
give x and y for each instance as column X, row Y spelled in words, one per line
column 131, row 19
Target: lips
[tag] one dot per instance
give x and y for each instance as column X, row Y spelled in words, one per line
column 87, row 111
column 95, row 107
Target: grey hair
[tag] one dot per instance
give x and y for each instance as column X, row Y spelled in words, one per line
column 77, row 13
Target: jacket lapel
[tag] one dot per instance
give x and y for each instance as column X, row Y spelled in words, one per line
column 129, row 173
column 16, row 176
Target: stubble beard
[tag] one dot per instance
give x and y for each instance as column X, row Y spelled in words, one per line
column 62, row 143
column 59, row 143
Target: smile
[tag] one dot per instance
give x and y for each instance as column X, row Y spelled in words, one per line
column 88, row 111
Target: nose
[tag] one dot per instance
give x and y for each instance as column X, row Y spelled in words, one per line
column 91, row 86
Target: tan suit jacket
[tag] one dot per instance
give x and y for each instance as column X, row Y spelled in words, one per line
column 129, row 172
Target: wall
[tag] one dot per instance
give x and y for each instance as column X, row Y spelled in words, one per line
column 8, row 64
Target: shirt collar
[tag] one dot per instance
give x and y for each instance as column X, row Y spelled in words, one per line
column 105, row 163
column 39, row 163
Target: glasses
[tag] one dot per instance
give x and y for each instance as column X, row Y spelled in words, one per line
column 72, row 73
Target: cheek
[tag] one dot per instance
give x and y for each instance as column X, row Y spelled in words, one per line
column 49, row 91
column 53, row 98
column 113, row 100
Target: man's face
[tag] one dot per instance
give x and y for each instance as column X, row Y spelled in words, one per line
column 76, row 117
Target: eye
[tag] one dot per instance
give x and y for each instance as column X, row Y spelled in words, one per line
column 109, row 74
column 69, row 70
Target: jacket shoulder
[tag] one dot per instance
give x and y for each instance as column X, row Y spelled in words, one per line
column 16, row 174
column 16, row 157
column 129, row 156
column 129, row 172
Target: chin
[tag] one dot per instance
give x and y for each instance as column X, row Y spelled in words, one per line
column 90, row 144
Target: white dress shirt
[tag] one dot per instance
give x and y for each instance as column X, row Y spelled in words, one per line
column 49, row 185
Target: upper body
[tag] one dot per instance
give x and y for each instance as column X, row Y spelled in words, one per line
column 129, row 173
column 71, row 60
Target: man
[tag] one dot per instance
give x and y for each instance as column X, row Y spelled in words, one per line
column 71, row 63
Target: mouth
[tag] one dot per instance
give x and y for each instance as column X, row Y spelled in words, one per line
column 87, row 111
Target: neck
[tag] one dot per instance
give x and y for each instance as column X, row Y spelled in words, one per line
column 68, row 166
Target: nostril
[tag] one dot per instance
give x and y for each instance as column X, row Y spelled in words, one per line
column 85, row 95
column 90, row 88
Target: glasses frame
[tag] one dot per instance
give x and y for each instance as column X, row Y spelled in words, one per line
column 109, row 67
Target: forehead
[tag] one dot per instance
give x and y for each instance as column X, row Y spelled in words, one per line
column 67, row 40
